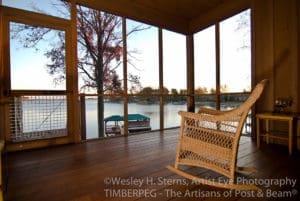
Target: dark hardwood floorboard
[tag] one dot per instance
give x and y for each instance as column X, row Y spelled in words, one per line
column 78, row 172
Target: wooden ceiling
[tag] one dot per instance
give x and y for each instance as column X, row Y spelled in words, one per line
column 183, row 16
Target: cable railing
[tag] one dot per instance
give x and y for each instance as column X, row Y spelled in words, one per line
column 35, row 116
column 158, row 108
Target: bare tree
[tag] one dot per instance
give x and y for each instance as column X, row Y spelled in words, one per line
column 100, row 49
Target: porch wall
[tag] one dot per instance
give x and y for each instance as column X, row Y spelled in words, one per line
column 276, row 29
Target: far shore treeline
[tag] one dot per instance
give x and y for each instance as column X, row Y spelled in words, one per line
column 149, row 95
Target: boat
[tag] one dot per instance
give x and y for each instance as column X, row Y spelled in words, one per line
column 114, row 125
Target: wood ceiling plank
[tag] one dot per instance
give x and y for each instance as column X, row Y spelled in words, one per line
column 185, row 17
column 222, row 11
column 138, row 12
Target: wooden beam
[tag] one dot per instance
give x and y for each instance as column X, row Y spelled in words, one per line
column 36, row 19
column 138, row 12
column 190, row 73
column 222, row 11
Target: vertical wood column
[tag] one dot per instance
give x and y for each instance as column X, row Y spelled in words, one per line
column 298, row 83
column 263, row 51
column 286, row 35
column 82, row 118
column 4, row 76
column 161, row 79
column 190, row 73
column 2, row 116
column 72, row 77
column 124, row 36
column 218, row 85
column 253, row 131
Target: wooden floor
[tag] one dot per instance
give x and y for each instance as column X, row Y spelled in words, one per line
column 112, row 169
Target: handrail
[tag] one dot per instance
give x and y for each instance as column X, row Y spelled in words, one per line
column 159, row 94
column 37, row 92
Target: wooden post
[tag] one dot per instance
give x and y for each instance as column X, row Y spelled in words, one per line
column 72, row 76
column 161, row 79
column 82, row 118
column 190, row 73
column 124, row 36
column 1, row 150
column 4, row 77
column 2, row 136
column 218, row 91
column 17, row 113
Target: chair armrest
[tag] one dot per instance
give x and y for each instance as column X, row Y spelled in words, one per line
column 210, row 111
column 223, row 116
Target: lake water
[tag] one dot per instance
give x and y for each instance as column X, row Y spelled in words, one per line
column 37, row 115
column 171, row 117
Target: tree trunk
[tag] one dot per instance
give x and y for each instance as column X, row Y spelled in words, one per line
column 100, row 115
column 100, row 102
column 100, row 85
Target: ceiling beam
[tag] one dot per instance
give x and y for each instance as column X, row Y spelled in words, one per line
column 139, row 13
column 221, row 12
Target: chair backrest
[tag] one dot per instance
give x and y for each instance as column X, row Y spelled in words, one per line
column 255, row 94
column 242, row 111
column 211, row 140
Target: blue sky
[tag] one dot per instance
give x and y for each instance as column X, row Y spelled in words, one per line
column 235, row 62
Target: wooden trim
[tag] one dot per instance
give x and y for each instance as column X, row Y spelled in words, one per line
column 37, row 144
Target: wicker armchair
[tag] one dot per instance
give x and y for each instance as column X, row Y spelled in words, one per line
column 210, row 139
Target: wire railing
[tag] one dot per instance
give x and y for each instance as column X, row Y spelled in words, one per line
column 42, row 116
column 35, row 117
